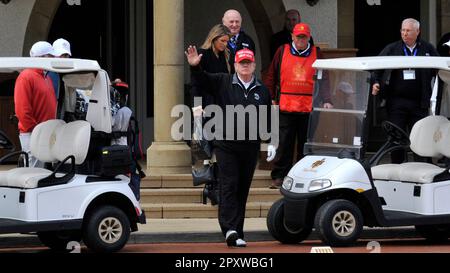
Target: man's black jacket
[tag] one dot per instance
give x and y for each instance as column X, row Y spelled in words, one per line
column 397, row 49
column 228, row 90
column 243, row 41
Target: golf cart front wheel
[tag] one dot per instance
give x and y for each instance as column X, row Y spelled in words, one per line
column 434, row 233
column 278, row 228
column 339, row 223
column 59, row 240
column 107, row 229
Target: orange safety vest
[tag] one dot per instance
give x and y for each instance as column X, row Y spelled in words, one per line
column 297, row 81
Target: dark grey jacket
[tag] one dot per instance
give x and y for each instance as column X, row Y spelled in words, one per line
column 397, row 49
column 229, row 91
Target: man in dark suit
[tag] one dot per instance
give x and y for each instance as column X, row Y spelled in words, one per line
column 407, row 91
column 292, row 18
column 232, row 19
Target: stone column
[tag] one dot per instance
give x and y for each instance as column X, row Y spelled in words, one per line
column 166, row 156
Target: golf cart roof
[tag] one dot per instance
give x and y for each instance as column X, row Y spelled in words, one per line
column 383, row 62
column 60, row 65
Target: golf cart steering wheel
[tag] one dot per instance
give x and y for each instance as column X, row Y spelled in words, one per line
column 5, row 142
column 396, row 134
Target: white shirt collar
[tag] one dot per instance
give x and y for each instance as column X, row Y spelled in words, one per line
column 246, row 84
column 301, row 52
column 411, row 48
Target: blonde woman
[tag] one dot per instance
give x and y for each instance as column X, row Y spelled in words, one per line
column 215, row 60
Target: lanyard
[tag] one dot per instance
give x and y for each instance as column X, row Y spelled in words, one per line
column 414, row 53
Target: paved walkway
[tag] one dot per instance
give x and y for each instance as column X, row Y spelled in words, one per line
column 203, row 231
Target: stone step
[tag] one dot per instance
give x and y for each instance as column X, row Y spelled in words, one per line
column 194, row 195
column 192, row 211
column 260, row 180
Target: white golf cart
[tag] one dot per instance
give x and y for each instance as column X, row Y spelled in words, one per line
column 83, row 193
column 335, row 190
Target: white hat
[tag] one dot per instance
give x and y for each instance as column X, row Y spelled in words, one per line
column 447, row 43
column 345, row 87
column 61, row 47
column 41, row 48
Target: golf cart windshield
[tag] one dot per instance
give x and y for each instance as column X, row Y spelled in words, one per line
column 338, row 131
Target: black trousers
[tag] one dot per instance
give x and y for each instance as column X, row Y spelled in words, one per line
column 292, row 127
column 237, row 163
column 404, row 113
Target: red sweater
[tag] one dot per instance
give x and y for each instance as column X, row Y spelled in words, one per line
column 34, row 99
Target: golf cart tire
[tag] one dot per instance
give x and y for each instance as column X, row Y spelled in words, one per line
column 106, row 217
column 434, row 233
column 338, row 210
column 59, row 240
column 278, row 229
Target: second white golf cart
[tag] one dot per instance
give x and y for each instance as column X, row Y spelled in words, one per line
column 335, row 190
column 83, row 193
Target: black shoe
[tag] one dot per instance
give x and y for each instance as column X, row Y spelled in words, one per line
column 231, row 238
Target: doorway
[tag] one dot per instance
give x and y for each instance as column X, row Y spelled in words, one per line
column 118, row 34
column 96, row 30
column 378, row 23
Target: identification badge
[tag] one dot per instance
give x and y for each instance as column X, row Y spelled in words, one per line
column 409, row 75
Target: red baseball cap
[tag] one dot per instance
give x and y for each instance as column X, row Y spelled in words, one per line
column 302, row 29
column 244, row 54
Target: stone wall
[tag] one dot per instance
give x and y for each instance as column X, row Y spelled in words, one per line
column 13, row 25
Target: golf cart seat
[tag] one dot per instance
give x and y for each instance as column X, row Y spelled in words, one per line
column 430, row 137
column 51, row 141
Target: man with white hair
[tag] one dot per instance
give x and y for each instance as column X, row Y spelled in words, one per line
column 407, row 92
column 34, row 98
column 232, row 19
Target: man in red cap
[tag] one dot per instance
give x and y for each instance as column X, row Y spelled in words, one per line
column 290, row 80
column 236, row 156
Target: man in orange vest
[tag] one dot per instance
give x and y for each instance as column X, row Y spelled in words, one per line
column 290, row 79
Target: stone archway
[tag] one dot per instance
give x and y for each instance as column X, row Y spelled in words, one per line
column 39, row 23
column 267, row 16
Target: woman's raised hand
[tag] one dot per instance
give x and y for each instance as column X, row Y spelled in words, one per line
column 192, row 56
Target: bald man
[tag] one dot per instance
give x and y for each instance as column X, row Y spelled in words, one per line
column 232, row 19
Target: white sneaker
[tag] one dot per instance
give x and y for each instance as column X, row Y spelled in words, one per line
column 231, row 237
column 241, row 243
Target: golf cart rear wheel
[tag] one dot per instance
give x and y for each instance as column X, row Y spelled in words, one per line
column 339, row 222
column 107, row 229
column 59, row 240
column 278, row 228
column 434, row 233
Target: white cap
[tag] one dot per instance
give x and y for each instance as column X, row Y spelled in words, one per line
column 345, row 87
column 447, row 43
column 41, row 48
column 61, row 47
